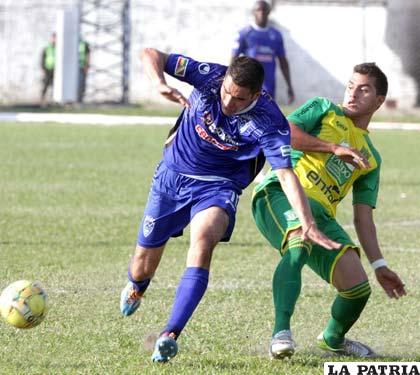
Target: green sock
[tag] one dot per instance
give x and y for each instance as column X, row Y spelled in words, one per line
column 287, row 281
column 345, row 311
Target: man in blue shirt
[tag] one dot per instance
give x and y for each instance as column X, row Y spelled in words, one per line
column 220, row 141
column 265, row 43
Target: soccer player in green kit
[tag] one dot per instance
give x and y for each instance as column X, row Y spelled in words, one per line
column 332, row 153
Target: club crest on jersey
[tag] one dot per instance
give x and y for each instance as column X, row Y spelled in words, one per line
column 207, row 118
column 181, row 66
column 204, row 68
column 148, row 225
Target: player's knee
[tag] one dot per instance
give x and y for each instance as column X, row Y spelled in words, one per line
column 144, row 262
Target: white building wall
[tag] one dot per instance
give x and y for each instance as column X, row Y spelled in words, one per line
column 323, row 43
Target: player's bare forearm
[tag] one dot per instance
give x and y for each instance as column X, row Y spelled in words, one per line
column 303, row 141
column 154, row 64
column 366, row 231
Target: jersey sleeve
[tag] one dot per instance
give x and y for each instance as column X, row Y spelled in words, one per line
column 280, row 50
column 194, row 72
column 275, row 143
column 308, row 117
column 366, row 187
column 239, row 44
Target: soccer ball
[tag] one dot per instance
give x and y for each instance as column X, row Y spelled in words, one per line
column 23, row 304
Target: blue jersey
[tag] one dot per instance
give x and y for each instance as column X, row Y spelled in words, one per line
column 207, row 145
column 263, row 44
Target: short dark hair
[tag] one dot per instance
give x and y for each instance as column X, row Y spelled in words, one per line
column 262, row 4
column 246, row 72
column 372, row 70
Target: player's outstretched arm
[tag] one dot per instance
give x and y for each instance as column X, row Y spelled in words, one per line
column 305, row 142
column 297, row 199
column 154, row 62
column 366, row 232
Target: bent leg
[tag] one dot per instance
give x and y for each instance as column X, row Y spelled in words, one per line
column 207, row 229
column 143, row 266
column 353, row 288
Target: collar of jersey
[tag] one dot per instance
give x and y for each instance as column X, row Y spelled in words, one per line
column 259, row 28
column 252, row 105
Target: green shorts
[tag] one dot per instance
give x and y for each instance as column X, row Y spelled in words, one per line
column 275, row 219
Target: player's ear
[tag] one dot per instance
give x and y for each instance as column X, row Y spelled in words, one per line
column 379, row 100
column 256, row 95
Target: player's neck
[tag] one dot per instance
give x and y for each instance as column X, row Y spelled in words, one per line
column 362, row 122
column 259, row 27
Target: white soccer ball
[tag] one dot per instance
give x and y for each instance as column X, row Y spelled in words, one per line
column 23, row 304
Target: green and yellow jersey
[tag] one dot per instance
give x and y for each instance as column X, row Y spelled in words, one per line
column 324, row 177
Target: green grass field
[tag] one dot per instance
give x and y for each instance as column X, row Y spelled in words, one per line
column 70, row 202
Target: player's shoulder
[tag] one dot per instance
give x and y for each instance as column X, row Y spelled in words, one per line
column 274, row 30
column 318, row 104
column 267, row 113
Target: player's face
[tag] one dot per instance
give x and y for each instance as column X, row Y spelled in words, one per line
column 261, row 12
column 360, row 97
column 235, row 98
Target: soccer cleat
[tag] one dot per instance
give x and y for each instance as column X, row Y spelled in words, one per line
column 349, row 348
column 130, row 299
column 165, row 348
column 282, row 345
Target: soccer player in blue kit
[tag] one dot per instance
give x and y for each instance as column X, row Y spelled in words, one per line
column 265, row 43
column 227, row 128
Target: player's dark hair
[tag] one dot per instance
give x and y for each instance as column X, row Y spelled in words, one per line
column 262, row 4
column 247, row 72
column 372, row 70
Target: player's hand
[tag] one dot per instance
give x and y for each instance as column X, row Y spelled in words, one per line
column 352, row 156
column 390, row 282
column 172, row 94
column 313, row 234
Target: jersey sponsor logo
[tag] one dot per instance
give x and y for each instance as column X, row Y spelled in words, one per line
column 204, row 68
column 285, row 150
column 181, row 66
column 308, row 108
column 148, row 225
column 211, row 126
column 265, row 49
column 339, row 169
column 264, row 57
column 208, row 138
column 328, row 190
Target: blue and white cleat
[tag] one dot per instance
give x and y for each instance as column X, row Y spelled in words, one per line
column 130, row 299
column 165, row 349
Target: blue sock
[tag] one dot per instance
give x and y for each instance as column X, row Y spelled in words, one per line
column 190, row 290
column 140, row 286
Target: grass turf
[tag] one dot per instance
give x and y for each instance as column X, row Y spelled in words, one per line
column 70, row 202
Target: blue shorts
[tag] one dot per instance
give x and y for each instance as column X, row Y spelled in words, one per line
column 173, row 201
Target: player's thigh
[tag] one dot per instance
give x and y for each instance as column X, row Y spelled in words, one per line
column 274, row 216
column 322, row 261
column 167, row 211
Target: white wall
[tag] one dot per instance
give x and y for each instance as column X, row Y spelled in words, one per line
column 323, row 42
